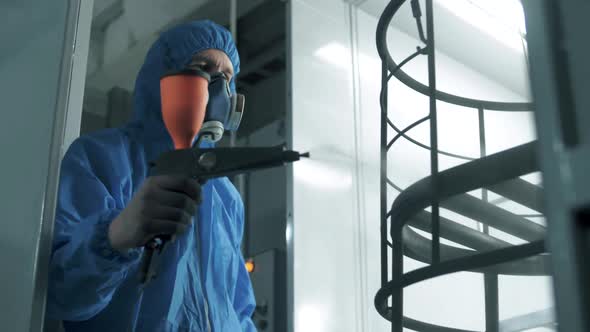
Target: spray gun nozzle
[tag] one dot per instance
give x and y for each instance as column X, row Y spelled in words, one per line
column 305, row 155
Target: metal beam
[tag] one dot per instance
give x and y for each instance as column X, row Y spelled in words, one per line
column 254, row 64
column 101, row 20
column 559, row 81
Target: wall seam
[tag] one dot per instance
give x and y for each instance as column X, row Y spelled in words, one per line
column 289, row 223
column 359, row 206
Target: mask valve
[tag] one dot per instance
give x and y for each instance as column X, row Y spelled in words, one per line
column 211, row 131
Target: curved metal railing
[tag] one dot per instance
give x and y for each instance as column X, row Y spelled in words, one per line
column 498, row 173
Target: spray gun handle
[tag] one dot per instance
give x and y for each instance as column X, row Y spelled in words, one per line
column 153, row 252
column 151, row 258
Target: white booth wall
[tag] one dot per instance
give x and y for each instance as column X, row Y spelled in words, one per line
column 336, row 75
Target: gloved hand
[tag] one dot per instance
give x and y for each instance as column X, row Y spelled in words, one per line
column 164, row 205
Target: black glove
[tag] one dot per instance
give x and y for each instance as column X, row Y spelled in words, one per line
column 164, row 205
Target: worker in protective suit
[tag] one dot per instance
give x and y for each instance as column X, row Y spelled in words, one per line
column 108, row 209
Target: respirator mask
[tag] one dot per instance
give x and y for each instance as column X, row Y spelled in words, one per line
column 197, row 103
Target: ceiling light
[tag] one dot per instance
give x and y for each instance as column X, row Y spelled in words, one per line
column 503, row 20
column 339, row 55
column 334, row 53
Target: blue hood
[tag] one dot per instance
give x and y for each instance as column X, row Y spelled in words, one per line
column 172, row 51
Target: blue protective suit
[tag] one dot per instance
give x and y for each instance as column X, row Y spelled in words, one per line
column 94, row 288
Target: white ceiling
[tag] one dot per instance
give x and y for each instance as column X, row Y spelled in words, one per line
column 465, row 43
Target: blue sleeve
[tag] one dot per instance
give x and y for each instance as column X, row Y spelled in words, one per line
column 244, row 301
column 85, row 270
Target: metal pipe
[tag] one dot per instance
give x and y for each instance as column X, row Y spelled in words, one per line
column 459, row 233
column 383, row 178
column 464, row 178
column 473, row 262
column 233, row 19
column 489, row 214
column 490, row 280
column 521, row 192
column 491, row 300
column 417, row 247
column 482, row 153
column 239, row 179
column 433, row 130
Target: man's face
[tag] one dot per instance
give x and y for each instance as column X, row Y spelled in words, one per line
column 213, row 61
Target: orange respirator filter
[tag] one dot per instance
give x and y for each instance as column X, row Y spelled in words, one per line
column 184, row 95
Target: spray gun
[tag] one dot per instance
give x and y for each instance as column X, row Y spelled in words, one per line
column 205, row 164
column 196, row 103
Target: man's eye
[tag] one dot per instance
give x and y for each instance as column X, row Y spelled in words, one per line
column 201, row 65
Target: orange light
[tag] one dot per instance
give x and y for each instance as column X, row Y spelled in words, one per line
column 250, row 266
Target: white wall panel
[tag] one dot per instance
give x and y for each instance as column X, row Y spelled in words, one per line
column 325, row 279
